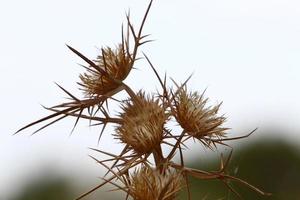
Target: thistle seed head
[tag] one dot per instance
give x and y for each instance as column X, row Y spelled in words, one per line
column 143, row 122
column 116, row 63
column 150, row 184
column 195, row 117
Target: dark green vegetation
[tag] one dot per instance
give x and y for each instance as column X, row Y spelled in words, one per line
column 273, row 166
column 46, row 188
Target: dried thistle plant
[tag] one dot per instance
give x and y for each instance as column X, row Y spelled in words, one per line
column 141, row 126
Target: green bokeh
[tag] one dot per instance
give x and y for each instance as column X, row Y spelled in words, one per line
column 46, row 188
column 273, row 166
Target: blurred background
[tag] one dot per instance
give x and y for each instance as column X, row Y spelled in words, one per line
column 245, row 53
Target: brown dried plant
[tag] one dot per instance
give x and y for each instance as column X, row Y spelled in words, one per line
column 141, row 126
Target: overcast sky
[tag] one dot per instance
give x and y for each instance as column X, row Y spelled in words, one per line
column 246, row 53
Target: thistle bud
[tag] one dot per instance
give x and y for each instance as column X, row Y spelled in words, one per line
column 143, row 123
column 117, row 64
column 195, row 117
column 150, row 184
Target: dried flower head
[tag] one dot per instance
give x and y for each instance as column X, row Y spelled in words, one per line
column 195, row 117
column 116, row 63
column 143, row 122
column 149, row 184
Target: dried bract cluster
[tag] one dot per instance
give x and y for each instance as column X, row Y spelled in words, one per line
column 145, row 170
column 150, row 184
column 116, row 63
column 195, row 117
column 143, row 122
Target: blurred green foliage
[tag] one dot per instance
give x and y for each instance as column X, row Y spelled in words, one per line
column 46, row 188
column 273, row 166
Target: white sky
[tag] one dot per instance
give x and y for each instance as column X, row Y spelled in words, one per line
column 245, row 52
